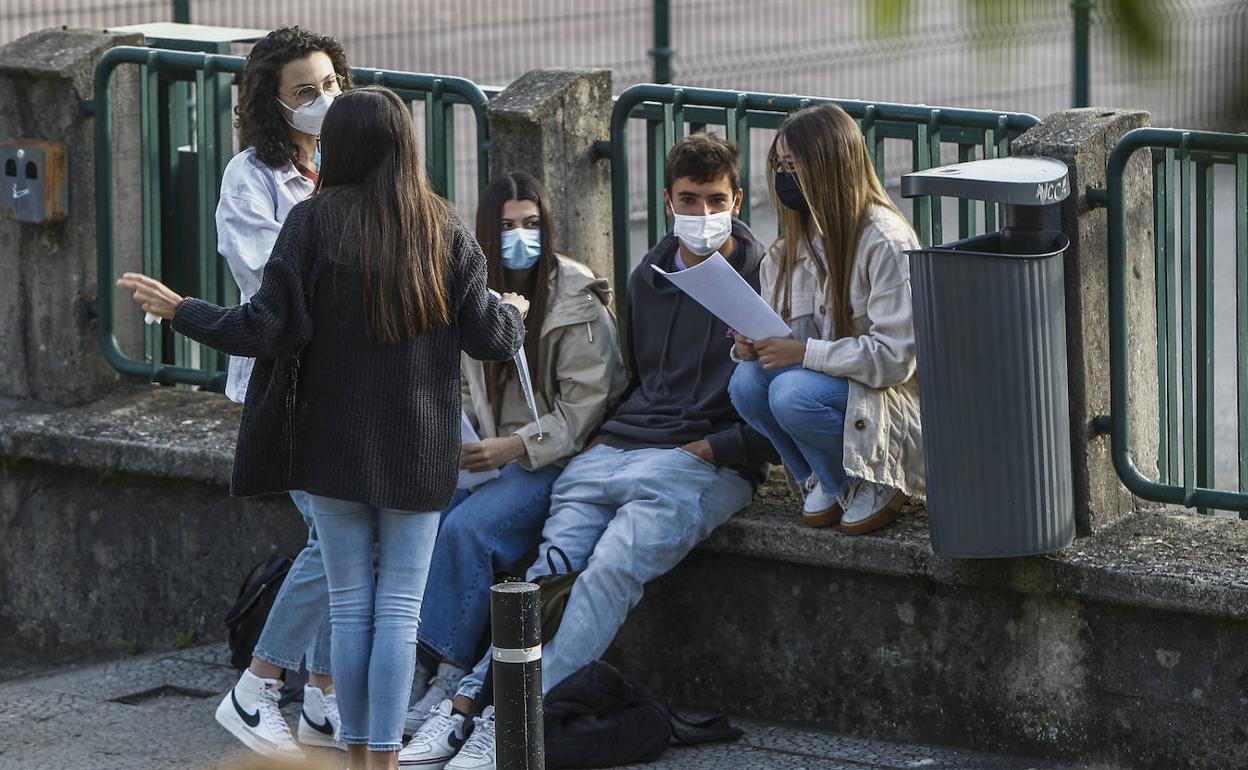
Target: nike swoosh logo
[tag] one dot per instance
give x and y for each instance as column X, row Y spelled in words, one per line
column 455, row 740
column 323, row 729
column 252, row 720
column 20, row 193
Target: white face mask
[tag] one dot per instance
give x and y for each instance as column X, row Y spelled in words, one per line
column 703, row 235
column 309, row 117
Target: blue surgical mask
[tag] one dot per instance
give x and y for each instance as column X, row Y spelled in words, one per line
column 521, row 248
column 316, row 159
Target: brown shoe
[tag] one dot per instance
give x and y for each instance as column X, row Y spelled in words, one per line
column 819, row 509
column 869, row 506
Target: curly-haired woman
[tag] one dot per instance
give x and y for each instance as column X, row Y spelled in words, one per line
column 291, row 78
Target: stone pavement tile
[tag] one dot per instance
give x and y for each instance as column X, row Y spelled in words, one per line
column 879, row 753
column 737, row 756
column 70, row 720
column 22, row 703
column 122, row 678
column 211, row 654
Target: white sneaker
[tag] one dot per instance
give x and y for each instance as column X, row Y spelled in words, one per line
column 478, row 752
column 249, row 711
column 819, row 509
column 319, row 724
column 869, row 506
column 437, row 740
column 441, row 686
column 420, row 684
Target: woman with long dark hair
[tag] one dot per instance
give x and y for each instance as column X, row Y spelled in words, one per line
column 370, row 294
column 291, row 78
column 577, row 372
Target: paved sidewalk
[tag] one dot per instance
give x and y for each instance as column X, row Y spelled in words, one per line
column 155, row 712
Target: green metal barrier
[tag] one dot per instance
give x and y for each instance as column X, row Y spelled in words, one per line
column 667, row 110
column 184, row 164
column 1184, row 355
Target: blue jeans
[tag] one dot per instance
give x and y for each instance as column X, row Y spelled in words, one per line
column 374, row 618
column 625, row 517
column 802, row 412
column 491, row 528
column 298, row 623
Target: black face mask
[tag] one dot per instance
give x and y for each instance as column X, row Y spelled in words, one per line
column 789, row 193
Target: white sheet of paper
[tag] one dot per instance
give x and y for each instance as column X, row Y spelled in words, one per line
column 470, row 479
column 526, row 380
column 714, row 285
column 526, row 387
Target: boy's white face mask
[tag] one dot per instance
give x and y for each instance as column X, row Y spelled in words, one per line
column 703, row 234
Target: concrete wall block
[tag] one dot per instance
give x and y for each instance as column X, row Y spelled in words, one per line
column 48, row 347
column 905, row 659
column 546, row 123
column 92, row 559
column 1083, row 139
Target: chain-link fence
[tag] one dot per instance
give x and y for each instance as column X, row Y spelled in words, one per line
column 1019, row 58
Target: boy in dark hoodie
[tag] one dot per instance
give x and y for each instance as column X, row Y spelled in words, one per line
column 675, row 460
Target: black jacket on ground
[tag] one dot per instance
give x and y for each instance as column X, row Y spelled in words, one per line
column 680, row 364
column 330, row 411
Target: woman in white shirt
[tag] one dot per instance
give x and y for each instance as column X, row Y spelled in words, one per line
column 291, row 78
column 839, row 398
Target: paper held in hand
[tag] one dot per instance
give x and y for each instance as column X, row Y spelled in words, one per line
column 714, row 285
column 526, row 380
column 467, row 435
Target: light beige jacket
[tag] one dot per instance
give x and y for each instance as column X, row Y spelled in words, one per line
column 583, row 373
column 883, row 437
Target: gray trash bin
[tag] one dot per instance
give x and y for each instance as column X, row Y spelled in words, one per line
column 990, row 322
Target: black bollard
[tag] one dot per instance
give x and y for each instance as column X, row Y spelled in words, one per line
column 516, row 632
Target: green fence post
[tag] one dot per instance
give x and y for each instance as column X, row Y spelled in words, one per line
column 1204, row 326
column 662, row 50
column 182, row 11
column 1081, row 11
column 1241, row 325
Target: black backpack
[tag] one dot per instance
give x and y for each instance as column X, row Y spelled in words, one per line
column 599, row 717
column 246, row 618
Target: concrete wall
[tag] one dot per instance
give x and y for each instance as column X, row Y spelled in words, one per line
column 48, row 348
column 1083, row 139
column 904, row 658
column 546, row 123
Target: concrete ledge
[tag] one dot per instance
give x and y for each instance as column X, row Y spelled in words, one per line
column 1165, row 561
column 141, row 429
column 1174, row 562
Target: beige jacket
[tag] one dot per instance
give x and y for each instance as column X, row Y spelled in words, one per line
column 883, row 438
column 584, row 372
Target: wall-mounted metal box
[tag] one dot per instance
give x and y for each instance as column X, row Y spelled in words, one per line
column 35, row 178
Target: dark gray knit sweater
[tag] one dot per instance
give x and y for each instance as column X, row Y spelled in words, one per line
column 328, row 410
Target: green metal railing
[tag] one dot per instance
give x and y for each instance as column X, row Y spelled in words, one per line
column 1183, row 164
column 667, row 110
column 186, row 143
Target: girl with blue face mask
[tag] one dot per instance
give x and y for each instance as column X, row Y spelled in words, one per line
column 577, row 372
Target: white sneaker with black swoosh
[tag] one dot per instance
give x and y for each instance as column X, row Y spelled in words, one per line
column 479, row 752
column 319, row 724
column 249, row 711
column 437, row 740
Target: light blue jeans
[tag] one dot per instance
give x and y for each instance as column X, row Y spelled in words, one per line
column 802, row 413
column 374, row 618
column 493, row 527
column 298, row 623
column 625, row 517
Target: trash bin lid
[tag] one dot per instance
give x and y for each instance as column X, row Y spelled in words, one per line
column 1014, row 181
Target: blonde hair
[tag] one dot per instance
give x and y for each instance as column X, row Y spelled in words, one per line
column 839, row 182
